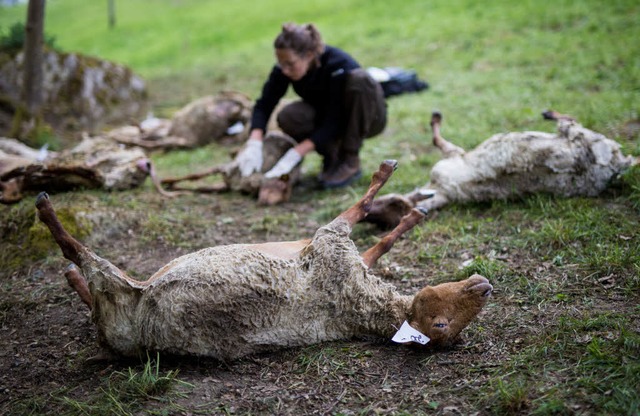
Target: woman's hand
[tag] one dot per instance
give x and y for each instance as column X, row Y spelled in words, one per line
column 291, row 159
column 285, row 165
column 249, row 159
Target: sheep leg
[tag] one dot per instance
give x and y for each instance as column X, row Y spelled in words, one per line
column 447, row 148
column 554, row 115
column 194, row 176
column 172, row 183
column 361, row 208
column 70, row 247
column 78, row 283
column 146, row 166
column 407, row 222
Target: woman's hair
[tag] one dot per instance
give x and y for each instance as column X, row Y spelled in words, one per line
column 301, row 39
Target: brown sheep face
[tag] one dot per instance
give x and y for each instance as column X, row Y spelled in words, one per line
column 388, row 210
column 275, row 191
column 442, row 312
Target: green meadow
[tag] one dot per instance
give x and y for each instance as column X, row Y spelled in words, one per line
column 562, row 332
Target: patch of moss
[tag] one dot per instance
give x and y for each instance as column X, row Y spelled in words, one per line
column 32, row 129
column 26, row 239
column 40, row 241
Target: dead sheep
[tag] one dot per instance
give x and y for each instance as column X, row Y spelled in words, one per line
column 99, row 162
column 105, row 160
column 95, row 163
column 235, row 300
column 203, row 121
column 575, row 161
column 271, row 191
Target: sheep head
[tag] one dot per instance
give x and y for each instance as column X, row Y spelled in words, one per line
column 275, row 190
column 442, row 312
column 388, row 210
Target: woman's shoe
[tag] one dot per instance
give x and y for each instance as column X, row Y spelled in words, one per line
column 344, row 174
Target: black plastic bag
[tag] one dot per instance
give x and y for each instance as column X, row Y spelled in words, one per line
column 401, row 81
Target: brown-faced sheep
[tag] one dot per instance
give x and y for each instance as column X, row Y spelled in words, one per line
column 229, row 301
column 269, row 191
column 573, row 162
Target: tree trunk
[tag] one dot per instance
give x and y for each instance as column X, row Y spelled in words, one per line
column 112, row 13
column 34, row 39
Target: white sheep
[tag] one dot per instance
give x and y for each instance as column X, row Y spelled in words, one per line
column 573, row 162
column 230, row 301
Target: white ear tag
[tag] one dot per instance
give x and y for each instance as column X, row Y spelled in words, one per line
column 408, row 334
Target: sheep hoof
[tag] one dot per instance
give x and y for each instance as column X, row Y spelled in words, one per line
column 436, row 117
column 41, row 197
column 392, row 162
column 427, row 193
column 423, row 210
column 548, row 115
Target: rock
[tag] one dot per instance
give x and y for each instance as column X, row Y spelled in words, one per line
column 80, row 92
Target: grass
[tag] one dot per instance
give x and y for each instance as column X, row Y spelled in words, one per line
column 130, row 392
column 493, row 66
column 598, row 352
column 123, row 393
column 486, row 62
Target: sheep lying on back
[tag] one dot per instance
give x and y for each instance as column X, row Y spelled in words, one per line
column 230, row 301
column 573, row 162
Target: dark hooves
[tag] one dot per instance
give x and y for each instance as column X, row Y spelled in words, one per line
column 391, row 162
column 436, row 117
column 548, row 115
column 423, row 210
column 41, row 196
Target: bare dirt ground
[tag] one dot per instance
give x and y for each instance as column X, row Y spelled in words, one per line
column 46, row 335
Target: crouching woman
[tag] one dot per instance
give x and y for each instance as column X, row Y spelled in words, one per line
column 340, row 106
